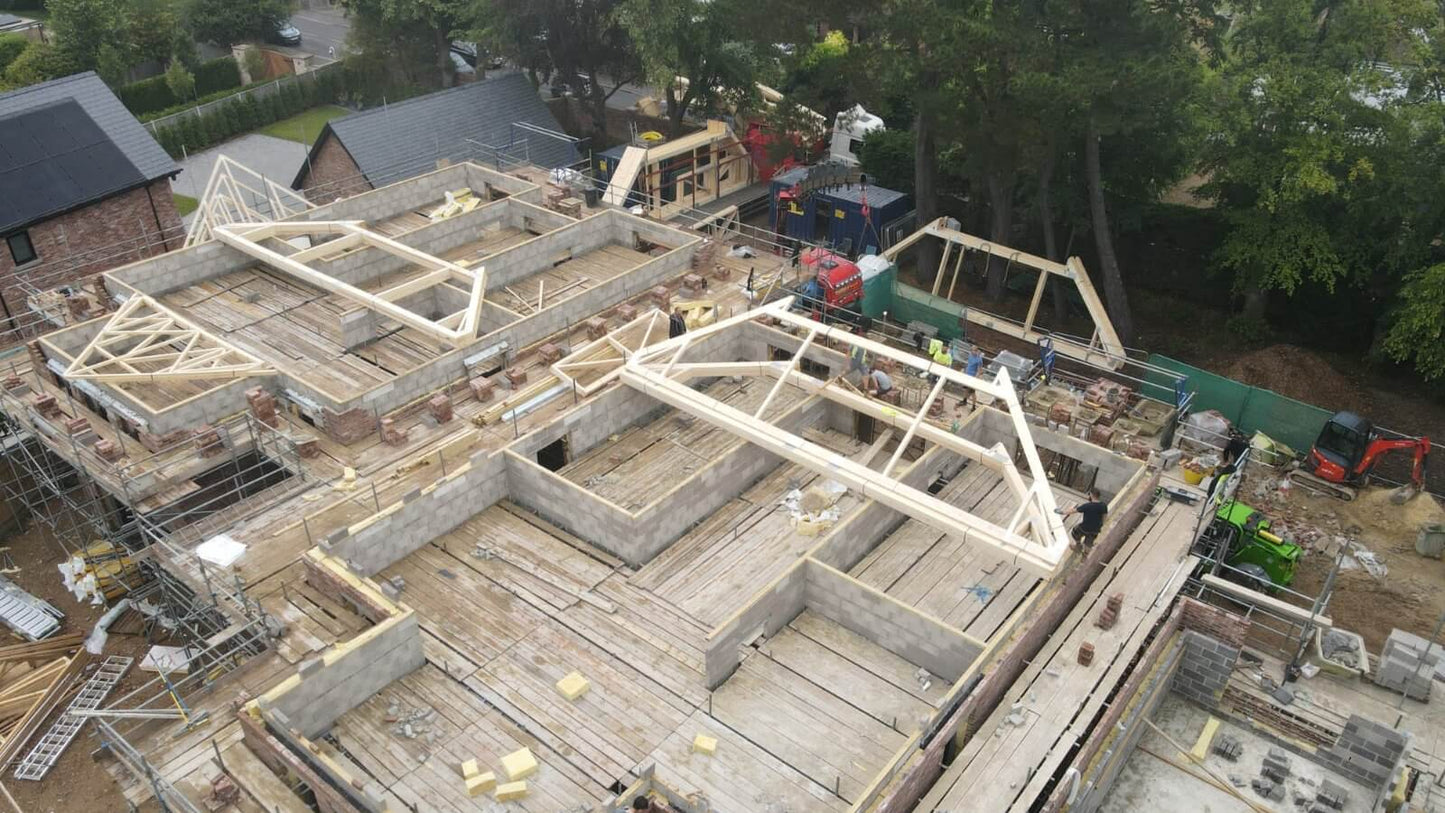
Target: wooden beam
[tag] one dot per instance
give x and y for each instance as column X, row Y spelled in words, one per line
column 1267, row 602
column 783, row 379
column 913, row 427
column 340, row 244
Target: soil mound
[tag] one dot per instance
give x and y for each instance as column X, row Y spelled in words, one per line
column 1295, row 372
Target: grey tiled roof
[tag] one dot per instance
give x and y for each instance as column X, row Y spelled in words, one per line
column 78, row 165
column 401, row 140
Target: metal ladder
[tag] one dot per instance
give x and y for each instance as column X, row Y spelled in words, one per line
column 48, row 750
column 32, row 617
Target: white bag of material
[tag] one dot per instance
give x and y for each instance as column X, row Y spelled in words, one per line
column 1209, row 426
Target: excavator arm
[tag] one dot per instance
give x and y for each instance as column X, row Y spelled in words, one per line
column 1379, row 447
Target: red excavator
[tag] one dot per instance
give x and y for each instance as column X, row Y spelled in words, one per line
column 1346, row 452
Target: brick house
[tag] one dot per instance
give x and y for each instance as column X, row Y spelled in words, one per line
column 83, row 188
column 387, row 144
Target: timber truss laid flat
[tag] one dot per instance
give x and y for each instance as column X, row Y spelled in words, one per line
column 598, row 363
column 1103, row 347
column 1034, row 537
column 145, row 341
column 269, row 243
column 236, row 193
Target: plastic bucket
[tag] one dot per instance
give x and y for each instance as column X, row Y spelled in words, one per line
column 1431, row 541
column 1194, row 478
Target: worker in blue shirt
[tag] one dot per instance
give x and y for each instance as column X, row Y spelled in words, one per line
column 975, row 361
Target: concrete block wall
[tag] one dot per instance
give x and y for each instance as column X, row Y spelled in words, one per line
column 540, row 253
column 992, row 426
column 389, row 201
column 1367, row 752
column 346, row 676
column 399, row 529
column 592, row 422
column 226, row 399
column 769, row 611
column 1204, row 668
column 857, row 536
column 178, row 269
column 485, row 180
column 889, row 623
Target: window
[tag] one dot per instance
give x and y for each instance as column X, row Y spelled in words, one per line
column 20, row 248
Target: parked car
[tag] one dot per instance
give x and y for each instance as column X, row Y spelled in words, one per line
column 286, row 34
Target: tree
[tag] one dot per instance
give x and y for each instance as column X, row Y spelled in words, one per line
column 86, row 30
column 38, row 63
column 434, row 19
column 695, row 51
column 1302, row 119
column 11, row 47
column 576, row 37
column 181, row 82
column 226, row 22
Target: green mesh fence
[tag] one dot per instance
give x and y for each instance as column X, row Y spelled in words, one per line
column 1251, row 409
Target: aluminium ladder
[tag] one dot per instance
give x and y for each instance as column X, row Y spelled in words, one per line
column 48, row 750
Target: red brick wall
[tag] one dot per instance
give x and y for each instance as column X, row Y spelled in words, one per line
column 87, row 241
column 333, row 174
column 350, row 426
column 1219, row 624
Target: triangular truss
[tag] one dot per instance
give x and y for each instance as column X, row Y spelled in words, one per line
column 145, row 341
column 1033, row 538
column 238, row 194
column 596, row 364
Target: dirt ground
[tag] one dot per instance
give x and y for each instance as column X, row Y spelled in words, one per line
column 1411, row 596
column 77, row 782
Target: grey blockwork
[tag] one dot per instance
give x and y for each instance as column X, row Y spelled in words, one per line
column 889, row 623
column 378, row 656
column 412, row 193
column 178, row 269
column 423, row 515
column 769, row 611
column 1367, row 752
column 857, row 536
column 1204, row 669
column 1131, row 727
column 1407, row 664
column 992, row 426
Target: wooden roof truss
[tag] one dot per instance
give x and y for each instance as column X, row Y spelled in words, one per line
column 236, row 193
column 1103, row 347
column 457, row 329
column 1033, row 538
column 146, row 342
column 598, row 363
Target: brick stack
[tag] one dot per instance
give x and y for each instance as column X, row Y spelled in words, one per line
column 308, row 448
column 154, row 442
column 722, row 272
column 440, row 407
column 482, row 388
column 1061, row 413
column 661, row 297
column 1217, row 623
column 79, row 307
column 1086, row 654
column 1366, row 752
column 1407, row 664
column 571, row 207
column 596, row 327
column 37, row 358
column 694, row 284
column 390, row 434
column 47, row 406
column 1109, row 616
column 15, row 385
column 108, row 450
column 550, row 353
column 77, row 426
column 705, row 255
column 516, row 377
column 626, row 312
column 207, row 441
column 263, row 406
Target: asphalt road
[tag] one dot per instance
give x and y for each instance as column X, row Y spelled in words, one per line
column 322, row 29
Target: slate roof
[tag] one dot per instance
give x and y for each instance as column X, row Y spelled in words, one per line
column 401, row 140
column 67, row 143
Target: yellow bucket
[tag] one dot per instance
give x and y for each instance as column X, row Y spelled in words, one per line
column 1194, row 478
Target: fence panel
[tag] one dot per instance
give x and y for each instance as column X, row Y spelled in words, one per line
column 1293, row 423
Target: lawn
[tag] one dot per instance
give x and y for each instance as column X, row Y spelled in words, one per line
column 304, row 127
column 185, row 204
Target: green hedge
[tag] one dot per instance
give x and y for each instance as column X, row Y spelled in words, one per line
column 240, row 116
column 152, row 97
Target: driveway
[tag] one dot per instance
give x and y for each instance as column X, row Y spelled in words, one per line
column 322, row 29
column 275, row 158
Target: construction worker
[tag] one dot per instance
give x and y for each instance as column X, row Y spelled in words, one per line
column 642, row 804
column 975, row 361
column 941, row 357
column 1087, row 530
column 877, row 383
column 676, row 324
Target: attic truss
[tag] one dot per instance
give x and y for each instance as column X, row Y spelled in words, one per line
column 598, row 363
column 270, row 243
column 236, row 193
column 1103, row 347
column 1033, row 538
column 146, row 342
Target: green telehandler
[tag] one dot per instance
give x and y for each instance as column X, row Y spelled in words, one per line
column 1239, row 537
